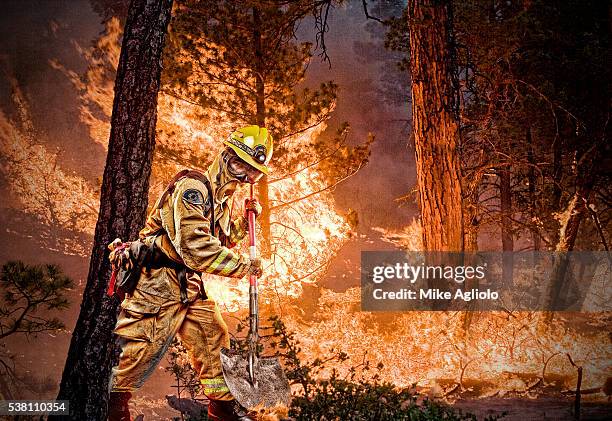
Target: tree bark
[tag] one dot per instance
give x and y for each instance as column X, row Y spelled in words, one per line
column 505, row 194
column 436, row 124
column 533, row 204
column 576, row 211
column 568, row 232
column 557, row 172
column 263, row 187
column 123, row 205
column 471, row 248
column 471, row 223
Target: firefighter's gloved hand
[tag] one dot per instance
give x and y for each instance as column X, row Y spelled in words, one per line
column 255, row 267
column 252, row 205
column 120, row 254
column 125, row 262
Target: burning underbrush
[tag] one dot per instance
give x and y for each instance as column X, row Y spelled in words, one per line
column 500, row 353
column 342, row 362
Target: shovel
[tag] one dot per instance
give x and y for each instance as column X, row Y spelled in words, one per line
column 254, row 380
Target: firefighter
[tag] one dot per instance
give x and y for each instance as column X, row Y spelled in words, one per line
column 192, row 225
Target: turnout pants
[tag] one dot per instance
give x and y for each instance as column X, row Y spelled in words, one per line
column 146, row 330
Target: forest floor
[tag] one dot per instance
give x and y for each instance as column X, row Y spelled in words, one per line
column 544, row 408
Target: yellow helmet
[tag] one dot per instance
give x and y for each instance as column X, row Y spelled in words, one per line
column 254, row 145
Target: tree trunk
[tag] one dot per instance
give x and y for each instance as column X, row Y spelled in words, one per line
column 260, row 104
column 123, row 205
column 472, row 221
column 575, row 213
column 533, row 204
column 557, row 179
column 568, row 232
column 557, row 172
column 471, row 248
column 573, row 216
column 505, row 195
column 435, row 122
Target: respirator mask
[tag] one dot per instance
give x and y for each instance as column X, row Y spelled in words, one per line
column 240, row 170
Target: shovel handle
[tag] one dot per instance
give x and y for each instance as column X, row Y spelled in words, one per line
column 252, row 240
column 253, row 301
column 252, row 247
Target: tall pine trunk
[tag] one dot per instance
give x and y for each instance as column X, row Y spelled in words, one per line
column 123, row 205
column 572, row 217
column 533, row 203
column 435, row 124
column 263, row 187
column 557, row 181
column 505, row 199
column 570, row 223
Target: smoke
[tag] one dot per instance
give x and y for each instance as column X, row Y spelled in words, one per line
column 390, row 173
column 32, row 33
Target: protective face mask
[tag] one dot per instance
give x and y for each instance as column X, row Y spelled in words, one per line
column 242, row 171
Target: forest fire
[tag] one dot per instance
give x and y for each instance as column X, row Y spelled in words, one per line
column 502, row 352
column 504, row 157
column 306, row 232
column 306, row 235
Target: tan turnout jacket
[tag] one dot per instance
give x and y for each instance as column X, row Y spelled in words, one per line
column 183, row 220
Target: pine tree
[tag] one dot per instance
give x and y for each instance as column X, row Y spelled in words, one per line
column 536, row 110
column 436, row 124
column 26, row 290
column 533, row 119
column 394, row 78
column 123, row 205
column 239, row 60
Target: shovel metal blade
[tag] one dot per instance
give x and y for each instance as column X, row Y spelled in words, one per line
column 271, row 386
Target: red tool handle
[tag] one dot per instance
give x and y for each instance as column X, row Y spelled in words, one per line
column 111, row 285
column 252, row 248
column 253, row 337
